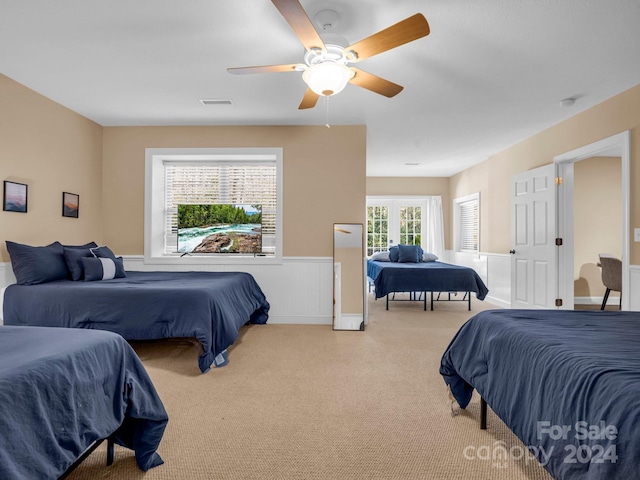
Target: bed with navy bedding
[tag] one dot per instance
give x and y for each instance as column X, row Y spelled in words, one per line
column 208, row 306
column 548, row 372
column 435, row 276
column 61, row 390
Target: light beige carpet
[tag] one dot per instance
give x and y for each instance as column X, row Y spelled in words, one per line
column 305, row 402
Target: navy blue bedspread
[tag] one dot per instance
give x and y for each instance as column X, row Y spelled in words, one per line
column 208, row 306
column 389, row 277
column 63, row 389
column 555, row 377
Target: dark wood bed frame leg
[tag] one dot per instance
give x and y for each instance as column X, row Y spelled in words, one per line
column 483, row 414
column 387, row 301
column 469, row 299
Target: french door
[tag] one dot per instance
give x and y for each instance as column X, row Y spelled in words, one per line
column 394, row 220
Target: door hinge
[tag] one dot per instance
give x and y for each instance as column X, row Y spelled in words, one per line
column 558, row 180
column 558, row 242
column 558, row 302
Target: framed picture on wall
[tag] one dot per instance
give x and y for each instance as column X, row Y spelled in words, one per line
column 70, row 204
column 15, row 197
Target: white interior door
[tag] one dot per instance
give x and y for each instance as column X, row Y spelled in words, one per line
column 533, row 234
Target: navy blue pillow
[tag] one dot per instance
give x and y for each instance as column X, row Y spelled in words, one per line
column 102, row 268
column 103, row 252
column 409, row 254
column 393, row 253
column 86, row 245
column 73, row 257
column 33, row 265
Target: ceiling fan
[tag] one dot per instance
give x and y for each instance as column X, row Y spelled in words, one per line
column 326, row 67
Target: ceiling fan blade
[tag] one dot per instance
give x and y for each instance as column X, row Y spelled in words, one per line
column 267, row 69
column 374, row 83
column 406, row 31
column 299, row 21
column 309, row 100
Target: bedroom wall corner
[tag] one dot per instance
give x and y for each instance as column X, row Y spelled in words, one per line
column 52, row 150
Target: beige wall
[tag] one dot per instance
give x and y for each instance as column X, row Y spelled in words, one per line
column 492, row 178
column 597, row 220
column 52, row 150
column 393, row 186
column 324, row 178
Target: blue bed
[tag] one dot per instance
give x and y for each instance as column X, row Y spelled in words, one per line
column 555, row 377
column 393, row 277
column 63, row 389
column 208, row 306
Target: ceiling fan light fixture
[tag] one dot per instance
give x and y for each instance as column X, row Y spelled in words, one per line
column 327, row 78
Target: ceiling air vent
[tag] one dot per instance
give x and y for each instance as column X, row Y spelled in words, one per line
column 212, row 101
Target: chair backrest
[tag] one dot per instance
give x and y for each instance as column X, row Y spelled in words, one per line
column 611, row 272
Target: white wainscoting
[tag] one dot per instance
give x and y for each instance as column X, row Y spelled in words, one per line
column 495, row 271
column 6, row 274
column 634, row 286
column 299, row 290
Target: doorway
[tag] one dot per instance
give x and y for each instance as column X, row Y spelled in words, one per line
column 616, row 146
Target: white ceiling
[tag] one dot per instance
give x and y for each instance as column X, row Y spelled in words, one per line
column 491, row 73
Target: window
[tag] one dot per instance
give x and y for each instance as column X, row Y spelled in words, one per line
column 377, row 229
column 394, row 220
column 410, row 220
column 411, row 225
column 209, row 176
column 467, row 223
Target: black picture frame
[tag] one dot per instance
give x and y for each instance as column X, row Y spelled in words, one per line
column 70, row 204
column 15, row 197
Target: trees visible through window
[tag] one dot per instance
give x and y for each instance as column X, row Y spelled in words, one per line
column 410, row 225
column 377, row 229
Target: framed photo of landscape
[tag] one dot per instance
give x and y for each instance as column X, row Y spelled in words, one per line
column 15, row 197
column 70, row 204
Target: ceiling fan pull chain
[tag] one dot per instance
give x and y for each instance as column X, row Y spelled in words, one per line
column 326, row 110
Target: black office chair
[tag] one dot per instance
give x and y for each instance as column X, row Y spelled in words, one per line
column 611, row 276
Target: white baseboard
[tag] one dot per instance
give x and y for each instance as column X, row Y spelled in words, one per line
column 613, row 300
column 498, row 302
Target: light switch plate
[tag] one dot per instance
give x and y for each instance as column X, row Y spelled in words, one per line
column 636, row 234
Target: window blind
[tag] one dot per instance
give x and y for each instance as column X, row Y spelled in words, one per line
column 219, row 182
column 469, row 226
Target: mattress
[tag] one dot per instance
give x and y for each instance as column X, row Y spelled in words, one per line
column 62, row 389
column 567, row 383
column 208, row 306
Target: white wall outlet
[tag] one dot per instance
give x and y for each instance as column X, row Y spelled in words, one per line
column 636, row 234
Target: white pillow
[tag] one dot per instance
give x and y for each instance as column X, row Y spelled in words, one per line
column 381, row 256
column 429, row 257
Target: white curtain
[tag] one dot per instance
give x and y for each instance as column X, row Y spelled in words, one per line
column 434, row 241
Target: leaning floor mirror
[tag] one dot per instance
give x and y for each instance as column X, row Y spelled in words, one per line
column 348, row 277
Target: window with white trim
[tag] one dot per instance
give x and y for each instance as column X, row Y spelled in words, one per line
column 394, row 220
column 466, row 212
column 377, row 228
column 211, row 176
